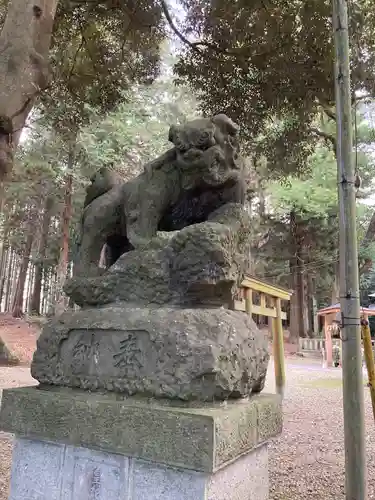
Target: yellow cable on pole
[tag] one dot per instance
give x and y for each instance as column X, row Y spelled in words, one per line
column 369, row 358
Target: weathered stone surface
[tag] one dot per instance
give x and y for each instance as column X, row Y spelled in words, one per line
column 51, row 471
column 140, row 277
column 208, row 260
column 182, row 187
column 201, row 227
column 172, row 352
column 7, row 357
column 244, row 479
column 201, row 264
column 201, row 436
column 175, row 243
column 270, row 417
column 36, row 470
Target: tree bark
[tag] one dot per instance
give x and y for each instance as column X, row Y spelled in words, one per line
column 304, row 244
column 3, row 270
column 12, row 279
column 370, row 233
column 335, row 296
column 20, row 288
column 8, row 279
column 62, row 269
column 45, row 285
column 298, row 309
column 312, row 305
column 24, row 46
column 30, row 286
column 39, row 266
column 294, row 326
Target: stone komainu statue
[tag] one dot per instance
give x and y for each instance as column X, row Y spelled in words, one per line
column 184, row 186
column 158, row 321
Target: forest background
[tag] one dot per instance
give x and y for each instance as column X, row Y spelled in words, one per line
column 86, row 84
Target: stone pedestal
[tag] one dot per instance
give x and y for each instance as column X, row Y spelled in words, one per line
column 76, row 445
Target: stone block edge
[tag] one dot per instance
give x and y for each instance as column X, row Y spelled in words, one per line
column 204, row 418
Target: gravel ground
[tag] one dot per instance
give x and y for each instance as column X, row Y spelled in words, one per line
column 306, row 462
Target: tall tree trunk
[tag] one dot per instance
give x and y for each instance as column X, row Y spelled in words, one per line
column 311, row 298
column 298, row 309
column 45, row 291
column 296, row 303
column 35, row 300
column 3, row 272
column 53, row 294
column 20, row 289
column 370, row 233
column 30, row 287
column 15, row 274
column 8, row 279
column 294, row 282
column 335, row 296
column 262, row 202
column 4, row 253
column 304, row 259
column 25, row 40
column 62, row 269
column 5, row 231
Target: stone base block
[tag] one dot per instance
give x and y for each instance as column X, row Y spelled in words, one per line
column 49, row 471
column 77, row 445
column 169, row 352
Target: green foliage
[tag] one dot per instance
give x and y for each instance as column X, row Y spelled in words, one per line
column 99, row 50
column 272, row 63
column 312, row 196
column 38, row 173
column 137, row 131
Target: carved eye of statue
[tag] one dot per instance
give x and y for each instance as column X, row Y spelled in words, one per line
column 204, row 137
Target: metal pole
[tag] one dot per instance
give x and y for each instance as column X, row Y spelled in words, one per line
column 355, row 457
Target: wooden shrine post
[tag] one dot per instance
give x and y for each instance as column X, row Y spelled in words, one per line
column 328, row 339
column 275, row 295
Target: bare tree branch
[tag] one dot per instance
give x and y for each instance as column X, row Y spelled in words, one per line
column 195, row 46
column 370, row 233
column 329, row 113
column 174, row 28
column 327, row 109
column 328, row 137
column 364, row 98
column 79, row 48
